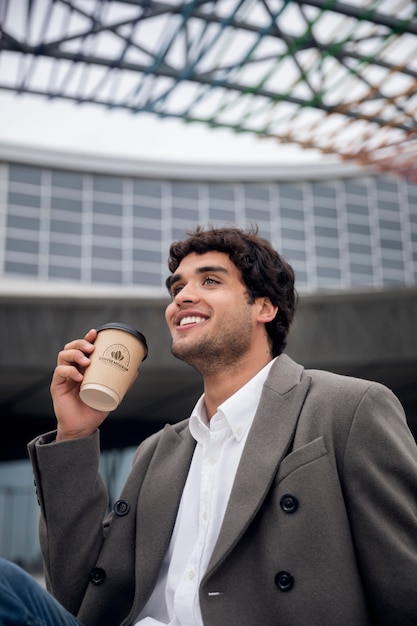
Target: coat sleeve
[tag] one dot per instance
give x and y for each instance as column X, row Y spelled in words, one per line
column 380, row 484
column 73, row 503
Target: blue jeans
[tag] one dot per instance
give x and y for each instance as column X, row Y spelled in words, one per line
column 24, row 602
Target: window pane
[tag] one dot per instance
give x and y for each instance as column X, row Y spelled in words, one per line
column 24, row 199
column 25, row 174
column 66, row 204
column 108, row 184
column 66, row 180
column 22, row 245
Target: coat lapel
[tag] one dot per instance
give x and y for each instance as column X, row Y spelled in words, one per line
column 270, row 437
column 158, row 503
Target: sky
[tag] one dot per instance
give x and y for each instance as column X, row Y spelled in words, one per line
column 38, row 122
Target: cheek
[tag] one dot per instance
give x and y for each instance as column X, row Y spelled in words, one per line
column 169, row 311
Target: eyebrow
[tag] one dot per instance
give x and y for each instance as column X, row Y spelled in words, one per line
column 175, row 278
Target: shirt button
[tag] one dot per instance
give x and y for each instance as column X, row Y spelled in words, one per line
column 191, row 574
column 205, row 516
column 238, row 432
column 213, row 460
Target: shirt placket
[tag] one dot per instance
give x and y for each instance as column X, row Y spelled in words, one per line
column 186, row 594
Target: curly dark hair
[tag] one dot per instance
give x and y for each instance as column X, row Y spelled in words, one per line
column 264, row 271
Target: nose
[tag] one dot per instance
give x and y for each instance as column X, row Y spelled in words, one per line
column 186, row 294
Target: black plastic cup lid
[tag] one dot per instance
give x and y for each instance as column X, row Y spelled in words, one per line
column 128, row 329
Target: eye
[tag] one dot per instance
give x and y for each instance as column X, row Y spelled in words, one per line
column 209, row 280
column 175, row 289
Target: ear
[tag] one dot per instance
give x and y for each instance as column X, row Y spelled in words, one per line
column 267, row 310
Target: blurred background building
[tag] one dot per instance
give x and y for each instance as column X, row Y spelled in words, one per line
column 85, row 233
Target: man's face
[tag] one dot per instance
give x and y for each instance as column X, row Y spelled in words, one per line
column 210, row 318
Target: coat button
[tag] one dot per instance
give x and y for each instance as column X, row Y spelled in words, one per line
column 288, row 503
column 121, row 507
column 284, row 581
column 97, row 575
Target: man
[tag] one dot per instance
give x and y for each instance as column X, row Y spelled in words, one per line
column 288, row 498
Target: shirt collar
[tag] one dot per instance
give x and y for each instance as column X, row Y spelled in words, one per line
column 238, row 410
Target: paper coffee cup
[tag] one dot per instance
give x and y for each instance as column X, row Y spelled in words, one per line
column 118, row 351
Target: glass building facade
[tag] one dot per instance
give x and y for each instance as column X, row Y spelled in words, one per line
column 87, row 228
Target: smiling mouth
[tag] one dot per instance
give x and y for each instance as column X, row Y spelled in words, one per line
column 192, row 319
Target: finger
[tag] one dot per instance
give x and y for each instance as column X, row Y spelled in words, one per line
column 79, row 344
column 71, row 356
column 84, row 344
column 63, row 373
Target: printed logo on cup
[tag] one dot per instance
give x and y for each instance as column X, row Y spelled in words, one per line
column 116, row 355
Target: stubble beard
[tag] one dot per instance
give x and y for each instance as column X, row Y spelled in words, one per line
column 210, row 355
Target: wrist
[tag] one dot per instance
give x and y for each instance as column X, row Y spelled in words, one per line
column 62, row 435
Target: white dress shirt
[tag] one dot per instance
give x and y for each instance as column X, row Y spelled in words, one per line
column 220, row 442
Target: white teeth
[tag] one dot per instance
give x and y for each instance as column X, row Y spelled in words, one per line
column 192, row 319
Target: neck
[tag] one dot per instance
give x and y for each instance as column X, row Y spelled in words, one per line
column 219, row 386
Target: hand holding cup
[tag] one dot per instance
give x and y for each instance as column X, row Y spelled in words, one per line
column 75, row 417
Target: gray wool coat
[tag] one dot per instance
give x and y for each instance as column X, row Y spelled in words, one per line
column 320, row 528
